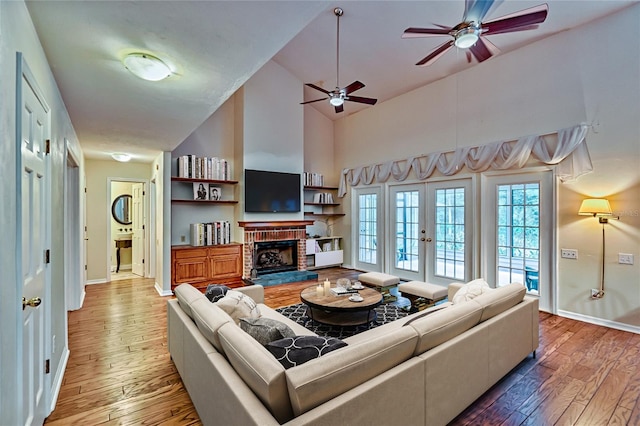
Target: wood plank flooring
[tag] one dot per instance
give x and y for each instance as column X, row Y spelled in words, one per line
column 120, row 372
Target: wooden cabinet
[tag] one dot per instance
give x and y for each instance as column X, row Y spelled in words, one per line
column 201, row 266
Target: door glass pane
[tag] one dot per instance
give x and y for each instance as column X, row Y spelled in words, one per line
column 407, row 230
column 450, row 230
column 518, row 236
column 368, row 228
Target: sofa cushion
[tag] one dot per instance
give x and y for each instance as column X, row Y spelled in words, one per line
column 238, row 305
column 321, row 379
column 187, row 295
column 471, row 290
column 209, row 318
column 266, row 330
column 215, row 292
column 445, row 324
column 258, row 369
column 297, row 350
column 298, row 329
column 500, row 299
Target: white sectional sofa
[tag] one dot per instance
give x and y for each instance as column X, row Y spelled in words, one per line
column 423, row 369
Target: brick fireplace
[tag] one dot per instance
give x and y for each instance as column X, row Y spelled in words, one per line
column 257, row 233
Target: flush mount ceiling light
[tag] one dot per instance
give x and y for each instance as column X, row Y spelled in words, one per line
column 118, row 156
column 146, row 66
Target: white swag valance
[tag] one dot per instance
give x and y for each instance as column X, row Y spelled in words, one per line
column 569, row 153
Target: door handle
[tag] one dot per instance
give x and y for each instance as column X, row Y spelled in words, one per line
column 34, row 302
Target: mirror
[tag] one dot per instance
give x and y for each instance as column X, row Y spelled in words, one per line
column 121, row 209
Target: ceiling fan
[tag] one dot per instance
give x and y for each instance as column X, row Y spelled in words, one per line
column 338, row 96
column 470, row 33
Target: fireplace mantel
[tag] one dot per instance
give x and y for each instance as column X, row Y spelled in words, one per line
column 276, row 224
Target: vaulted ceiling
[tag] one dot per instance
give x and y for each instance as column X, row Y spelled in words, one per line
column 216, row 46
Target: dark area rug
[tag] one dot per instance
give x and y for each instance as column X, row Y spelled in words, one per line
column 298, row 313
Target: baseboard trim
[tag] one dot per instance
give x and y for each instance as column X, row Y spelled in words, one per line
column 98, row 281
column 57, row 379
column 161, row 291
column 599, row 321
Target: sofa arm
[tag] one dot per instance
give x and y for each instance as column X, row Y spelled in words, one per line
column 256, row 292
column 453, row 289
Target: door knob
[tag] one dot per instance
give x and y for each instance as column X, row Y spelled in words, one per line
column 428, row 240
column 34, row 302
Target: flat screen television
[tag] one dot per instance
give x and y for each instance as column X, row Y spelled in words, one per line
column 271, row 192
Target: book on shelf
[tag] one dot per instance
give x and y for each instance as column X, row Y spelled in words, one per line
column 212, row 168
column 212, row 233
column 313, row 179
column 323, row 198
column 339, row 291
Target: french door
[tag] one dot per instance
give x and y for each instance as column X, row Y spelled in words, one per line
column 431, row 231
column 517, row 232
column 369, row 224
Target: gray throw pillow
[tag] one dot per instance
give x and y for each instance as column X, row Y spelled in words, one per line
column 266, row 330
column 293, row 351
column 215, row 292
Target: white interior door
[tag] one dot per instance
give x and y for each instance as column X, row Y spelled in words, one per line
column 137, row 223
column 33, row 228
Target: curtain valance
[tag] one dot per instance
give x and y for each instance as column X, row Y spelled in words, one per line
column 568, row 153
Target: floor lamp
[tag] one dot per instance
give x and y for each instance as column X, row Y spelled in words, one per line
column 600, row 208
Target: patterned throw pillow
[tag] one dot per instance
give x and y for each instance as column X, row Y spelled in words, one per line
column 293, row 351
column 471, row 290
column 266, row 330
column 215, row 292
column 238, row 305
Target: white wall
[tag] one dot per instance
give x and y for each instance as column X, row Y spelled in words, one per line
column 575, row 76
column 273, row 133
column 18, row 35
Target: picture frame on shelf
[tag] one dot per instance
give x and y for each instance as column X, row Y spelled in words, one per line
column 215, row 192
column 200, row 191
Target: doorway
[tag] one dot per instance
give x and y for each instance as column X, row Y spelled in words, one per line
column 127, row 223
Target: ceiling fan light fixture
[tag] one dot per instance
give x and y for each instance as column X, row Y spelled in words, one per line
column 146, row 66
column 467, row 37
column 336, row 100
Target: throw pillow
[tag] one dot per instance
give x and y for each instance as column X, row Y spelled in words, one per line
column 293, row 351
column 266, row 330
column 471, row 290
column 215, row 292
column 238, row 305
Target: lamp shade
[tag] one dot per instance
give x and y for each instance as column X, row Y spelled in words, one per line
column 595, row 207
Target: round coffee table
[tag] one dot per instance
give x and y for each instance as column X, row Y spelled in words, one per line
column 339, row 310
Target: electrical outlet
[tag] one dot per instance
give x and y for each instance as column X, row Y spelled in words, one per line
column 183, row 238
column 569, row 253
column 625, row 258
column 53, row 344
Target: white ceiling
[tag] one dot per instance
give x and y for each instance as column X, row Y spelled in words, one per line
column 215, row 46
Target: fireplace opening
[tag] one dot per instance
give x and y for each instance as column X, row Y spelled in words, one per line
column 275, row 256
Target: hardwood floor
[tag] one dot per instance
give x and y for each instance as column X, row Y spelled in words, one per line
column 119, row 371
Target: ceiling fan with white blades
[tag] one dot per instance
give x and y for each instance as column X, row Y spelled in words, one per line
column 472, row 31
column 339, row 95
